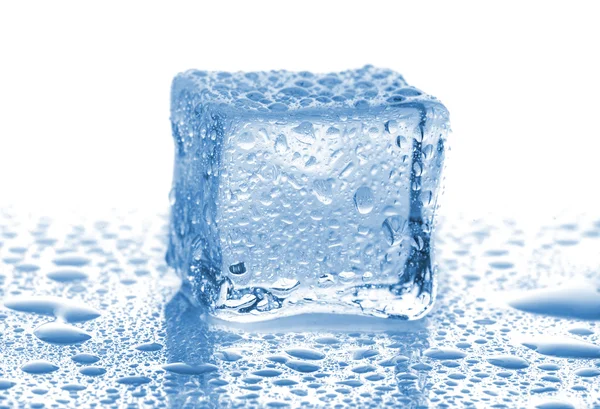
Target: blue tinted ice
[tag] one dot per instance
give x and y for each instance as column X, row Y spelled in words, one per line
column 296, row 192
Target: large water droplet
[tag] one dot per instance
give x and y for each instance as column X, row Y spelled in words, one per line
column 508, row 361
column 281, row 145
column 246, row 141
column 444, row 353
column 323, row 190
column 305, row 132
column 579, row 302
column 363, row 200
column 59, row 333
column 301, row 366
column 181, row 368
column 563, row 347
column 84, row 358
column 308, row 354
column 66, row 276
column 67, row 310
column 39, row 367
column 6, row 384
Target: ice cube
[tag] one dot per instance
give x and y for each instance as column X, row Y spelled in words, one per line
column 304, row 193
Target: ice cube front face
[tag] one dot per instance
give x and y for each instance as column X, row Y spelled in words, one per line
column 299, row 193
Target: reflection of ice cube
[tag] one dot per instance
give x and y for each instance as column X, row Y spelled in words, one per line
column 295, row 192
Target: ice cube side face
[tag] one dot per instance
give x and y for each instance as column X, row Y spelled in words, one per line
column 288, row 200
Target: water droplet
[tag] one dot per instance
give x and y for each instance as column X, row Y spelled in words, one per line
column 326, row 280
column 581, row 331
column 267, row 373
column 305, row 133
column 92, row 371
column 554, row 404
column 246, row 141
column 39, row 367
column 71, row 261
column 53, row 306
column 393, row 229
column 73, row 387
column 444, row 353
column 134, row 380
column 284, row 286
column 149, row 347
column 229, row 355
column 363, row 200
column 67, row 276
column 308, row 354
column 563, row 347
column 245, row 301
column 238, row 269
column 391, row 126
column 301, row 366
column 62, row 334
column 323, row 190
column 85, row 358
column 181, row 368
column 363, row 353
column 508, row 362
column 587, row 372
column 363, row 369
column 6, row 384
column 281, row 145
column 579, row 302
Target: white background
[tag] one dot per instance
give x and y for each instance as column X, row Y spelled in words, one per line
column 84, row 90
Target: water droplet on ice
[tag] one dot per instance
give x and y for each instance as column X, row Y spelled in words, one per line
column 246, row 141
column 323, row 190
column 281, row 145
column 391, row 126
column 363, row 200
column 284, row 286
column 238, row 269
column 305, row 132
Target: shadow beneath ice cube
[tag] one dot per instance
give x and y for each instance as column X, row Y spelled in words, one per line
column 312, row 360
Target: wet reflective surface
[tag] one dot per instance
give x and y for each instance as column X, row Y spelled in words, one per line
column 91, row 315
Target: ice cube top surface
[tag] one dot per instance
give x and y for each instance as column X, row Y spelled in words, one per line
column 281, row 91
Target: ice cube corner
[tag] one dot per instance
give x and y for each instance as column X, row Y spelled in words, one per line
column 299, row 193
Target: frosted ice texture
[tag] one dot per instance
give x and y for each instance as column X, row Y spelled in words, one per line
column 304, row 193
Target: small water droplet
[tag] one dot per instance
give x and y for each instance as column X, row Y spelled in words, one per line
column 238, row 269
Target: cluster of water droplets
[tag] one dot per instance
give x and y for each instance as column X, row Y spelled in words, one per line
column 90, row 315
column 281, row 91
